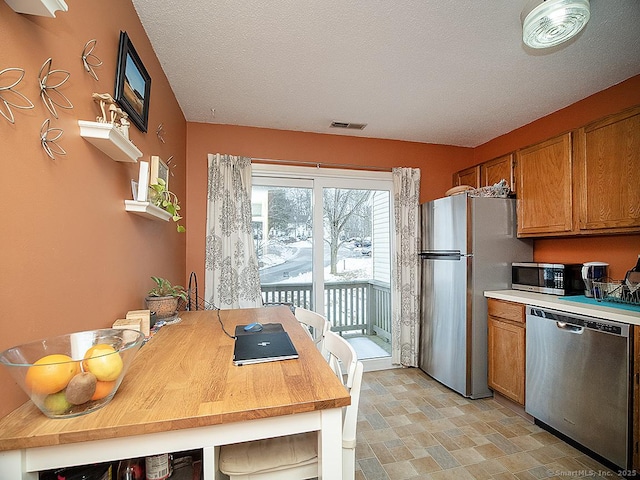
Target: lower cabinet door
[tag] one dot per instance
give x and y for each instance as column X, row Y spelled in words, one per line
column 507, row 359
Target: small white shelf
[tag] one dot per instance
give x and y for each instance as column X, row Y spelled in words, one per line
column 44, row 8
column 147, row 210
column 107, row 138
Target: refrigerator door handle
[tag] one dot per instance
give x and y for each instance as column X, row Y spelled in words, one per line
column 444, row 255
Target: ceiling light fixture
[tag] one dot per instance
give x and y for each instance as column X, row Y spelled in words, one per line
column 546, row 23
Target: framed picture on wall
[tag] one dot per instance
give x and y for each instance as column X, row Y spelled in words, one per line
column 158, row 168
column 133, row 84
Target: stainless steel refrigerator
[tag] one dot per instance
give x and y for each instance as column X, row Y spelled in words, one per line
column 468, row 245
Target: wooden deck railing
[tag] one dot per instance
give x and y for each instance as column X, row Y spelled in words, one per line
column 350, row 306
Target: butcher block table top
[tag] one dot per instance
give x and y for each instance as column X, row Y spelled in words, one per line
column 184, row 378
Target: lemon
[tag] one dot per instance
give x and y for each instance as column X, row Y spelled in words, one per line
column 104, row 362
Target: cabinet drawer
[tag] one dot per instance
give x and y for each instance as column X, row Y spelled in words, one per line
column 506, row 310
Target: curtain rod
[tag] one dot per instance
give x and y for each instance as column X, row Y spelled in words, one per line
column 323, row 165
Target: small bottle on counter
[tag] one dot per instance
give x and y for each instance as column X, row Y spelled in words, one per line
column 158, row 467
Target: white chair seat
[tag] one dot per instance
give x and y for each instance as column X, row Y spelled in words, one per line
column 270, row 455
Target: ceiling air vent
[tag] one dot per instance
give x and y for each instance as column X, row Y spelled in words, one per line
column 352, row 126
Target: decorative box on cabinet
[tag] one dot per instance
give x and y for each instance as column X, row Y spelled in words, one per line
column 506, row 337
column 107, row 138
column 544, row 185
column 608, row 174
column 469, row 176
column 492, row 171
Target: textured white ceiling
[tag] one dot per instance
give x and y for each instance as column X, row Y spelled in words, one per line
column 435, row 71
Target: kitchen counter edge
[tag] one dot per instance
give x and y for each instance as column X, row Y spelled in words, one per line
column 554, row 302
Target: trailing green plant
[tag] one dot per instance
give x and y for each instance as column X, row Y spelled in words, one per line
column 164, row 288
column 167, row 200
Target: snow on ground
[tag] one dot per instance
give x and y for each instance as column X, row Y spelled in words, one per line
column 348, row 269
column 357, row 267
column 279, row 253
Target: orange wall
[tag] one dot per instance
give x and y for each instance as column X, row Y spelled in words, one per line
column 620, row 252
column 437, row 162
column 71, row 258
column 612, row 100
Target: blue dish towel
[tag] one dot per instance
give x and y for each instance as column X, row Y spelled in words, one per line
column 592, row 301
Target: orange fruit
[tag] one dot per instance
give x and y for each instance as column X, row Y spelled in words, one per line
column 51, row 373
column 103, row 389
column 103, row 361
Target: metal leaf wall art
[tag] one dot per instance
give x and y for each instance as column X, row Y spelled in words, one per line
column 170, row 165
column 160, row 132
column 49, row 137
column 50, row 95
column 89, row 59
column 10, row 97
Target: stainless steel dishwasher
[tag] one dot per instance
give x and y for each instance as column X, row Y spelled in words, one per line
column 577, row 383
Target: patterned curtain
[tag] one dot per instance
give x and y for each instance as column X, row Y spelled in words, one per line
column 405, row 319
column 231, row 266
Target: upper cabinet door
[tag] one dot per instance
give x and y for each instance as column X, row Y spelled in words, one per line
column 493, row 171
column 469, row 176
column 608, row 174
column 544, row 184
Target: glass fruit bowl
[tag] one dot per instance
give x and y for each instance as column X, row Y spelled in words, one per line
column 73, row 374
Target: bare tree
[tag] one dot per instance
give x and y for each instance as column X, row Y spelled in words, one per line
column 341, row 206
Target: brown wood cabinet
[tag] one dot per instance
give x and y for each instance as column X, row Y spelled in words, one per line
column 544, row 185
column 585, row 182
column 506, row 337
column 468, row 176
column 492, row 171
column 607, row 171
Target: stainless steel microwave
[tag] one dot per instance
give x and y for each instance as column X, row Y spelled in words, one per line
column 552, row 278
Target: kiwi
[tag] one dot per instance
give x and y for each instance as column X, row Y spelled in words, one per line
column 81, row 388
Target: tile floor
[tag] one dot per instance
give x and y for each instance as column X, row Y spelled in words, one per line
column 412, row 427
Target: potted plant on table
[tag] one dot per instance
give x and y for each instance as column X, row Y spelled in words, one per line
column 163, row 298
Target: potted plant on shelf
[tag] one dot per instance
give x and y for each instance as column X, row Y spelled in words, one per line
column 163, row 298
column 167, row 200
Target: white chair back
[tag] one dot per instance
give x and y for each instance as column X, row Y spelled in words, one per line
column 343, row 360
column 314, row 324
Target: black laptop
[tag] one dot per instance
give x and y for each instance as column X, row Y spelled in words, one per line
column 263, row 347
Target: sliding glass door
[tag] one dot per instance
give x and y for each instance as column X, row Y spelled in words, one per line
column 326, row 246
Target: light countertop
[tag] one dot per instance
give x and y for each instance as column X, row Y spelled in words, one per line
column 605, row 310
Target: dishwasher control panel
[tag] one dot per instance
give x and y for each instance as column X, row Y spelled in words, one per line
column 591, row 323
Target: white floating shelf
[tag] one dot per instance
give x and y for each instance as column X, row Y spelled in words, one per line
column 110, row 140
column 147, row 210
column 44, row 8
